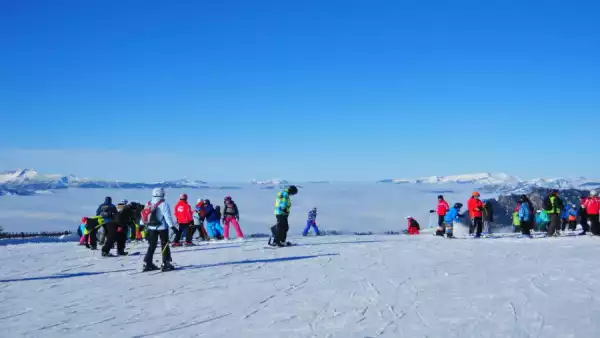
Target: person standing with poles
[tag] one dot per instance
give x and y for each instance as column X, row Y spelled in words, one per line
column 157, row 219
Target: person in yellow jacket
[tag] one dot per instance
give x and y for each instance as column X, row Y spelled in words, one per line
column 283, row 205
column 553, row 206
column 92, row 224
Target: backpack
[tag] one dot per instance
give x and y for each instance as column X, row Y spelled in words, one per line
column 106, row 212
column 547, row 204
column 149, row 216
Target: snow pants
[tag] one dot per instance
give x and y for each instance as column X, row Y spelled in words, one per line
column 595, row 224
column 310, row 224
column 280, row 229
column 554, row 224
column 526, row 227
column 214, row 229
column 231, row 220
column 584, row 223
column 441, row 220
column 114, row 236
column 476, row 226
column 413, row 230
column 487, row 227
column 572, row 225
column 183, row 229
column 152, row 237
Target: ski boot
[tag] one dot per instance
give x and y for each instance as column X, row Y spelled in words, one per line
column 123, row 253
column 150, row 267
column 167, row 266
column 107, row 254
column 189, row 244
column 176, row 244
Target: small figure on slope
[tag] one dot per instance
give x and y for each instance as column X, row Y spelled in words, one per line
column 283, row 205
column 157, row 219
column 592, row 208
column 213, row 220
column 231, row 215
column 553, row 206
column 108, row 211
column 452, row 216
column 84, row 233
column 442, row 210
column 524, row 215
column 311, row 221
column 185, row 220
column 413, row 226
column 583, row 219
column 92, row 224
column 199, row 221
column 572, row 217
column 542, row 220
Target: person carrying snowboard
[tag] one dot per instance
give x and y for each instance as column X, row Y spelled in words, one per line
column 311, row 221
column 475, row 207
column 452, row 216
column 592, row 208
column 231, row 215
column 553, row 206
column 185, row 220
column 283, row 205
column 157, row 219
column 413, row 226
column 213, row 221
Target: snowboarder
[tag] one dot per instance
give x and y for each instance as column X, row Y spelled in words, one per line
column 592, row 208
column 157, row 219
column 442, row 210
column 117, row 230
column 185, row 220
column 213, row 219
column 553, row 206
column 452, row 216
column 572, row 217
column 413, row 226
column 583, row 219
column 311, row 221
column 475, row 207
column 283, row 205
column 231, row 215
column 488, row 216
column 108, row 211
column 525, row 214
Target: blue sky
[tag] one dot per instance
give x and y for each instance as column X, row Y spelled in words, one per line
column 304, row 90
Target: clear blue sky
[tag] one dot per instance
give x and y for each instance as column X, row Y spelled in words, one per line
column 314, row 89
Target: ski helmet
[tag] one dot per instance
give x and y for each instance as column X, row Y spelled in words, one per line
column 593, row 193
column 476, row 194
column 227, row 198
column 183, row 197
column 458, row 205
column 292, row 190
column 158, row 192
column 199, row 201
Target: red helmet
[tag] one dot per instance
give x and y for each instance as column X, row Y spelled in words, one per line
column 84, row 220
column 183, row 197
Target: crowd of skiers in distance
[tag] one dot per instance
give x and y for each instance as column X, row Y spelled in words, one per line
column 33, row 234
column 136, row 222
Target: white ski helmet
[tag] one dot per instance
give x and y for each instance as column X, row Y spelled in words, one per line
column 593, row 193
column 158, row 192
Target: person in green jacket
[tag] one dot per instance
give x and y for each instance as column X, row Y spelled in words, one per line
column 553, row 205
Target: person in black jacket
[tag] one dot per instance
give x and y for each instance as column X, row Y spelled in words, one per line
column 136, row 212
column 108, row 211
column 117, row 230
column 488, row 216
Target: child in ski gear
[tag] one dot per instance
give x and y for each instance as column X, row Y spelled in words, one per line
column 158, row 221
column 283, row 204
column 564, row 216
column 592, row 208
column 185, row 219
column 213, row 220
column 117, row 230
column 452, row 216
column 583, row 219
column 413, row 226
column 231, row 215
column 572, row 217
column 515, row 217
column 442, row 210
column 83, row 233
column 524, row 215
column 136, row 209
column 311, row 221
column 488, row 216
column 553, row 206
column 199, row 221
column 542, row 220
column 475, row 207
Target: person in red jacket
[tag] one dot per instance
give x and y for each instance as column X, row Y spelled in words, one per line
column 475, row 207
column 442, row 210
column 592, row 208
column 413, row 226
column 185, row 219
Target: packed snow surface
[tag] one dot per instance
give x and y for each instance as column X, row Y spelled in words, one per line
column 332, row 286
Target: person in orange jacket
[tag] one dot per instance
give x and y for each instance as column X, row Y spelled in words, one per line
column 185, row 219
column 475, row 207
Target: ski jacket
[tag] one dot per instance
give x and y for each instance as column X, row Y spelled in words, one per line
column 212, row 215
column 197, row 220
column 565, row 212
column 312, row 216
column 524, row 213
column 557, row 205
column 475, row 207
column 107, row 210
column 283, row 203
column 516, row 220
column 200, row 210
column 572, row 214
column 452, row 215
column 592, row 206
column 163, row 213
column 542, row 217
column 442, row 208
column 412, row 223
column 488, row 212
column 231, row 209
column 124, row 216
column 183, row 212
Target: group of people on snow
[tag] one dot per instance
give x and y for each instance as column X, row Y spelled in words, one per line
column 480, row 211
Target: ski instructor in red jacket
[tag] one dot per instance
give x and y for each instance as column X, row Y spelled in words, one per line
column 475, row 207
column 442, row 210
column 185, row 219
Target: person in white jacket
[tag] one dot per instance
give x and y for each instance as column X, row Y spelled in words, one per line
column 157, row 219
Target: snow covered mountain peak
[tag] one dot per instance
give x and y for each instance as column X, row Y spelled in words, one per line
column 477, row 178
column 274, row 181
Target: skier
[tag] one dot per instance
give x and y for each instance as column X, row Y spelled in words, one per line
column 413, row 226
column 311, row 222
column 475, row 207
column 92, row 224
column 572, row 217
column 488, row 216
column 283, row 205
column 140, row 232
column 592, row 208
column 553, row 206
column 117, row 230
column 185, row 220
column 108, row 211
column 452, row 216
column 213, row 219
column 231, row 215
column 583, row 219
column 524, row 216
column 442, row 209
column 157, row 219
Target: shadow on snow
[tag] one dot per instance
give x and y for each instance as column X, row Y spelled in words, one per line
column 61, row 276
column 253, row 261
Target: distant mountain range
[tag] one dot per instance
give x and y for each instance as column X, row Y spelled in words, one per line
column 479, row 178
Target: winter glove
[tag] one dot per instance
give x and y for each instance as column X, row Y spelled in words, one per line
column 431, row 211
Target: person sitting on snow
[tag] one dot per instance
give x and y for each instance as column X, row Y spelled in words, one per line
column 542, row 220
column 452, row 216
column 413, row 226
column 311, row 222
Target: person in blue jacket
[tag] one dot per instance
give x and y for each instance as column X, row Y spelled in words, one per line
column 213, row 220
column 572, row 217
column 452, row 216
column 525, row 216
column 311, row 222
column 564, row 216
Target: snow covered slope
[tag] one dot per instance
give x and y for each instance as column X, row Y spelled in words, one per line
column 479, row 178
column 392, row 286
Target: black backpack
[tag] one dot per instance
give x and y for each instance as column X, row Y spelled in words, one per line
column 153, row 217
column 547, row 204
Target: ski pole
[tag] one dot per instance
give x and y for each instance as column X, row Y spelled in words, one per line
column 167, row 245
